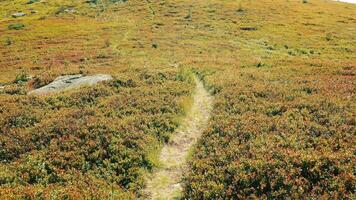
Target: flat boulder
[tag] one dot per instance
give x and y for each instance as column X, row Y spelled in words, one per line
column 18, row 14
column 68, row 82
column 2, row 88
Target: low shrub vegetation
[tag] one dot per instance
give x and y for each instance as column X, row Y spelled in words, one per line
column 60, row 144
column 16, row 26
column 281, row 72
column 282, row 128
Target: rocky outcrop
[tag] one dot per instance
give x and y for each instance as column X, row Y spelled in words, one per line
column 70, row 82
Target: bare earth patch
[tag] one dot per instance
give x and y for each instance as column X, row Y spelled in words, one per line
column 165, row 182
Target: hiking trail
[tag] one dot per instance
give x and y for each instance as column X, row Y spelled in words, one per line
column 165, row 182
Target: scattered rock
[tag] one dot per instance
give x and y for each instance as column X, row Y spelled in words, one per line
column 2, row 87
column 65, row 9
column 248, row 28
column 33, row 11
column 69, row 10
column 176, row 186
column 175, row 65
column 32, row 1
column 19, row 14
column 70, row 82
column 154, row 45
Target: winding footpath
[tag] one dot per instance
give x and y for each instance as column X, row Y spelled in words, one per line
column 165, row 182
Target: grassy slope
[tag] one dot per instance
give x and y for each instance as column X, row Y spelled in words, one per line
column 96, row 142
column 283, row 121
column 284, row 112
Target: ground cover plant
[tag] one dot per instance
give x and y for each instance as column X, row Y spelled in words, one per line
column 284, row 118
column 281, row 72
column 91, row 143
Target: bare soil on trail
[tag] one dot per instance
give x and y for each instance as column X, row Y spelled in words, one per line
column 165, row 182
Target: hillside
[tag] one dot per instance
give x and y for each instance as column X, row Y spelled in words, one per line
column 281, row 75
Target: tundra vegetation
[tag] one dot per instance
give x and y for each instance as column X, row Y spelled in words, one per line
column 281, row 72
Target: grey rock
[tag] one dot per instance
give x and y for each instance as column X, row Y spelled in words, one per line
column 68, row 82
column 19, row 14
column 70, row 10
column 2, row 88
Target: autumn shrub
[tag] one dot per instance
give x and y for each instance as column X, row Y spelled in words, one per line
column 283, row 123
column 282, row 75
column 259, row 147
column 15, row 89
column 40, row 81
column 20, row 78
column 17, row 26
column 96, row 139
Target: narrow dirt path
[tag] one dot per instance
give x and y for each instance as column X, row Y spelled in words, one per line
column 164, row 183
